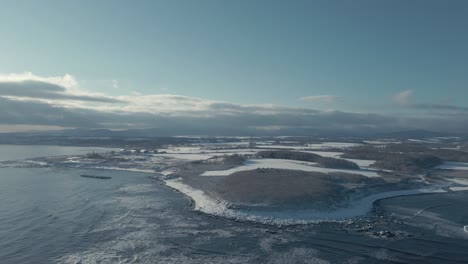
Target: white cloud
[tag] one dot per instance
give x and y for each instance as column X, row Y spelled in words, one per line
column 27, row 128
column 67, row 80
column 403, row 97
column 28, row 99
column 162, row 103
column 319, row 99
column 60, row 90
column 65, row 91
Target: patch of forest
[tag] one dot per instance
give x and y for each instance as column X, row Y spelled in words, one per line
column 405, row 157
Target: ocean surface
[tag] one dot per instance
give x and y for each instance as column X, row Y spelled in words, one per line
column 51, row 215
column 19, row 152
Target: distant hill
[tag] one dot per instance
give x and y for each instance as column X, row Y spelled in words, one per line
column 415, row 134
column 229, row 131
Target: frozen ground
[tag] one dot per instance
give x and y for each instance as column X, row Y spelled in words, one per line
column 200, row 152
column 183, row 156
column 283, row 147
column 215, row 206
column 286, row 164
column 207, row 204
column 462, row 184
column 316, row 146
column 333, row 154
column 380, row 142
column 362, row 163
column 329, row 145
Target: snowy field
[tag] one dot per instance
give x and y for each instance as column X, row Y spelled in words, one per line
column 288, row 165
column 362, row 163
column 329, row 154
column 193, row 153
column 329, row 145
column 182, row 156
column 317, row 146
column 462, row 184
column 380, row 142
column 282, row 147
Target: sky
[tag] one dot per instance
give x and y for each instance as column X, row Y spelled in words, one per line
column 299, row 64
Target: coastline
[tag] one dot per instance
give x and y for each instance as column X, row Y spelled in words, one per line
column 202, row 202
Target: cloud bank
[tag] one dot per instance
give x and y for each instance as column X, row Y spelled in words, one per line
column 30, row 86
column 404, row 99
column 30, row 100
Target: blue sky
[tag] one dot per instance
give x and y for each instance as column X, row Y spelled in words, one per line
column 360, row 54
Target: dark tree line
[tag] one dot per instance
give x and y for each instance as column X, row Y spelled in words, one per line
column 290, row 155
column 405, row 157
column 334, row 163
column 405, row 163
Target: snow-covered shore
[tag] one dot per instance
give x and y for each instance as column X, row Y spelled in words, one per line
column 207, row 204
